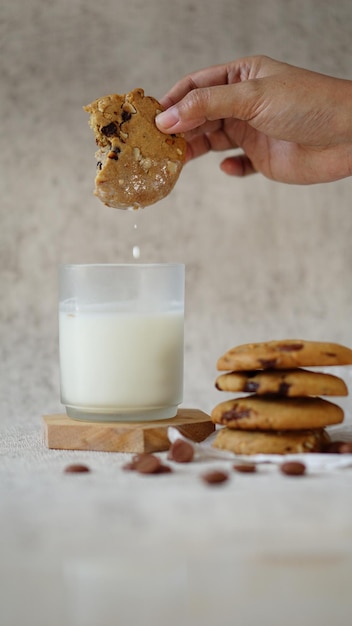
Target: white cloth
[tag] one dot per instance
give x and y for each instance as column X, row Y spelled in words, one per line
column 313, row 462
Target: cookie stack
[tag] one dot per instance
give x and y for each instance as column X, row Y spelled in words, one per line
column 283, row 412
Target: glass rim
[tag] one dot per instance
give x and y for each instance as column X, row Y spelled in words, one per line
column 118, row 265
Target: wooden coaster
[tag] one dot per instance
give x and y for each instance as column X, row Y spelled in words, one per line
column 64, row 433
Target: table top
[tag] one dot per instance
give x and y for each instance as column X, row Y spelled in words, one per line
column 112, row 544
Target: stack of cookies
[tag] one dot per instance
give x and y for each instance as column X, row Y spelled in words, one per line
column 282, row 412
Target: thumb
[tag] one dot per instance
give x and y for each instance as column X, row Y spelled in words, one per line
column 210, row 103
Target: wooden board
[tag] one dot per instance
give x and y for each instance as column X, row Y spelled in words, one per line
column 64, row 433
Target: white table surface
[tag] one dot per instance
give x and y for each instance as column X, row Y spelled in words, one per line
column 116, row 547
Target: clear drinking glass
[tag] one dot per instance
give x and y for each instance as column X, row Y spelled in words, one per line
column 121, row 330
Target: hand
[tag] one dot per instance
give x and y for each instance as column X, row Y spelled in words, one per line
column 291, row 124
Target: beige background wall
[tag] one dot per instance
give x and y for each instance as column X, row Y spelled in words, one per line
column 263, row 260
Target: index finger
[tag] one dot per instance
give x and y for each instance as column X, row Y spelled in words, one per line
column 208, row 77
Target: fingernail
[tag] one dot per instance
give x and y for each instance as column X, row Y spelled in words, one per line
column 167, row 119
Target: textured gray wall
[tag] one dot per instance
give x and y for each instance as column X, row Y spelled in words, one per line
column 263, row 260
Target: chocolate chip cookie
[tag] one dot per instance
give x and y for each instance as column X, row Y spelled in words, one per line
column 285, row 354
column 269, row 442
column 137, row 163
column 275, row 413
column 291, row 383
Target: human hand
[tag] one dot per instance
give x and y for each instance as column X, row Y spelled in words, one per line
column 291, row 124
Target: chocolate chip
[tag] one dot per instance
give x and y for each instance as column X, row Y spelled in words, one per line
column 268, row 363
column 181, row 451
column 110, row 130
column 215, row 477
column 251, row 386
column 293, row 468
column 245, row 468
column 235, row 414
column 76, row 468
column 290, row 347
column 346, row 448
column 284, row 389
column 99, row 165
column 126, row 116
column 114, row 153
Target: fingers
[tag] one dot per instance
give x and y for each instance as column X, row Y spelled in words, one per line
column 239, row 165
column 227, row 74
column 221, row 91
column 197, row 146
column 209, row 103
column 216, row 75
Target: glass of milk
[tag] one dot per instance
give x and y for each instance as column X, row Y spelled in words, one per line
column 121, row 330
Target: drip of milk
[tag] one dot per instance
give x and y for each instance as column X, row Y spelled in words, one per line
column 136, row 252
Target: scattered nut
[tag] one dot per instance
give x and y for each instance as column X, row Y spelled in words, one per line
column 146, row 464
column 215, row 477
column 164, row 469
column 334, row 447
column 346, row 448
column 245, row 468
column 293, row 468
column 181, row 451
column 130, row 466
column 76, row 468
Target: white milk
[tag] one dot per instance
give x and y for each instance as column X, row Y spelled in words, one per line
column 136, row 252
column 118, row 362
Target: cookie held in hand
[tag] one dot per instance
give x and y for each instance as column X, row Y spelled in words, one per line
column 137, row 163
